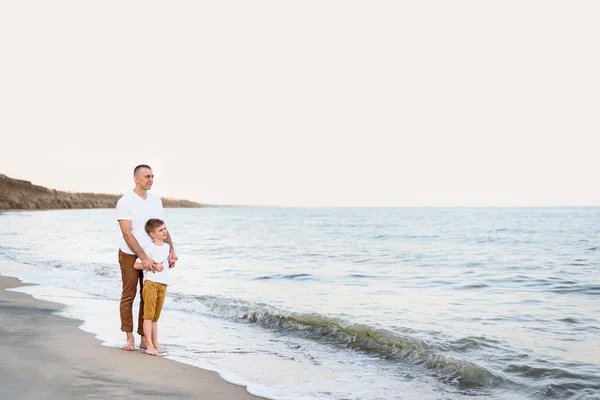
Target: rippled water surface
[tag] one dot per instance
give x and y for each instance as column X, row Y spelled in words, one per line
column 350, row 303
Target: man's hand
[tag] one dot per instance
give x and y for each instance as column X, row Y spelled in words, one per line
column 148, row 264
column 158, row 267
column 172, row 259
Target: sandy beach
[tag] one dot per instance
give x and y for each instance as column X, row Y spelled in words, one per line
column 46, row 356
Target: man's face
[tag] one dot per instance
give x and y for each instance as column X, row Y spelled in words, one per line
column 144, row 178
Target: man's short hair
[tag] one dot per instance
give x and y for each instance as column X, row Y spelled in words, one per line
column 136, row 169
column 152, row 224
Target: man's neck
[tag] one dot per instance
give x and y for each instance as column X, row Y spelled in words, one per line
column 143, row 193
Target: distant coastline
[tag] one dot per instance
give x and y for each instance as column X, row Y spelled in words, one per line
column 21, row 195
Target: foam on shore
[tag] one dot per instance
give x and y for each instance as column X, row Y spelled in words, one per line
column 46, row 356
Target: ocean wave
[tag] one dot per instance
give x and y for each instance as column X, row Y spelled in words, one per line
column 106, row 270
column 363, row 276
column 473, row 286
column 102, row 269
column 286, row 276
column 387, row 345
column 578, row 288
column 472, row 343
column 555, row 382
column 549, row 284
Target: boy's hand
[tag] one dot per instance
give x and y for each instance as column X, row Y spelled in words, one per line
column 158, row 267
column 172, row 259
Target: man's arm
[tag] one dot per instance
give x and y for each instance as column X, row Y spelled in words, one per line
column 133, row 244
column 172, row 256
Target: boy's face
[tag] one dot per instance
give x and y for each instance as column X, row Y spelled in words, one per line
column 159, row 233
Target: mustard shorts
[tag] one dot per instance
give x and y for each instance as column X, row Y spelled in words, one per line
column 154, row 294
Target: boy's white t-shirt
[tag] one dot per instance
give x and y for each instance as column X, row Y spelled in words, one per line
column 137, row 210
column 158, row 254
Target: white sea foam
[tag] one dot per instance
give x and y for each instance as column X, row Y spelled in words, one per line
column 269, row 365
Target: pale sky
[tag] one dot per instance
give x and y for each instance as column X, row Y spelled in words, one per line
column 306, row 103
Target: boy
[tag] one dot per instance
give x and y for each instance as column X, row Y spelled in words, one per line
column 155, row 282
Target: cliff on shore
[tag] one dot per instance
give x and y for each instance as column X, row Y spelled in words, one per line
column 16, row 194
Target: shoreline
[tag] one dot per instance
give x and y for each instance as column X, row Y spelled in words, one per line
column 47, row 356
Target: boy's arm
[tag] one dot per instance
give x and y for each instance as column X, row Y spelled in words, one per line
column 157, row 266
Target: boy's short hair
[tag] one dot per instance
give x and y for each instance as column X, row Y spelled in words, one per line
column 152, row 224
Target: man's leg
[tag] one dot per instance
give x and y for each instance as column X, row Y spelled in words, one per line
column 141, row 310
column 129, row 277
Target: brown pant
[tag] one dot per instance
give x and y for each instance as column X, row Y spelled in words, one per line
column 130, row 278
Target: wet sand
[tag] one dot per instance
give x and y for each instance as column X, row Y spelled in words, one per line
column 46, row 356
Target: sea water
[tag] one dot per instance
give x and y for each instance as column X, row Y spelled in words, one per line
column 348, row 303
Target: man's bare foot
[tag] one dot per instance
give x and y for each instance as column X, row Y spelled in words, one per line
column 159, row 348
column 143, row 345
column 152, row 352
column 130, row 346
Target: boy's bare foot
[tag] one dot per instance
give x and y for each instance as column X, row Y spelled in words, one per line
column 143, row 345
column 152, row 352
column 130, row 346
column 159, row 348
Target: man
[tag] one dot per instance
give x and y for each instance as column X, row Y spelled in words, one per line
column 133, row 210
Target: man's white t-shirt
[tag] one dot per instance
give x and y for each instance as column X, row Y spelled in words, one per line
column 158, row 254
column 137, row 210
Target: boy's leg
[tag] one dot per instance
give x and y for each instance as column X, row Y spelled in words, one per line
column 155, row 337
column 129, row 278
column 160, row 300
column 150, row 294
column 148, row 327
